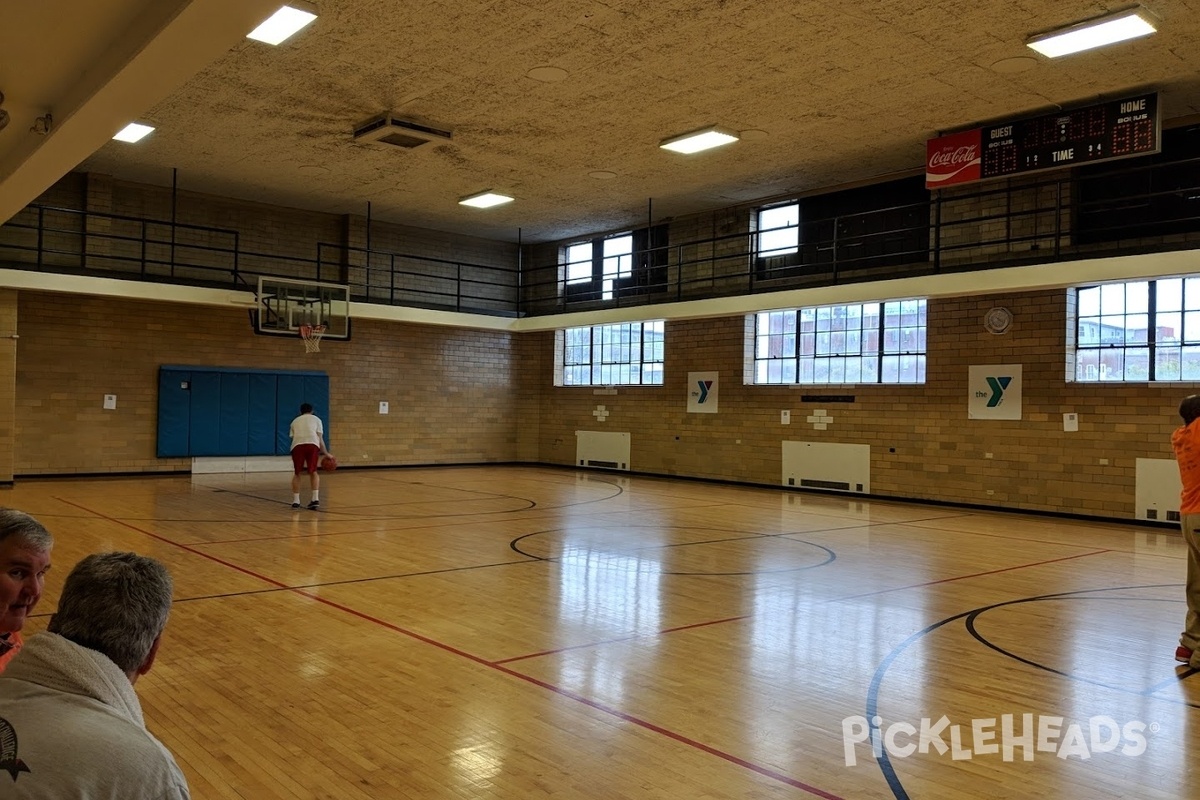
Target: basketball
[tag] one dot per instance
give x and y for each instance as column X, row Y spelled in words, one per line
column 329, row 463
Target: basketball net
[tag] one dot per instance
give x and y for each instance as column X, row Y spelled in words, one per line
column 311, row 334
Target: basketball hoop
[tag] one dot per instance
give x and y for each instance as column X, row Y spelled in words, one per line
column 311, row 334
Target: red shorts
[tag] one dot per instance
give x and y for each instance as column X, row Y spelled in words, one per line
column 305, row 458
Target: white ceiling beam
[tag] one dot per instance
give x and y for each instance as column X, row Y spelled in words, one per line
column 167, row 45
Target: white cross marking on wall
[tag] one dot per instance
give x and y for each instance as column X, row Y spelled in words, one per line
column 601, row 413
column 819, row 419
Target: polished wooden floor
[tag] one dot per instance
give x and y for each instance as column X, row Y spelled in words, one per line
column 524, row 633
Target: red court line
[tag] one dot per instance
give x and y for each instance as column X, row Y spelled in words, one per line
column 964, row 577
column 586, row 645
column 621, row 715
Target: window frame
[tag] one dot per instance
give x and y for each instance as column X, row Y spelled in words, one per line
column 1168, row 339
column 617, row 354
column 601, row 282
column 764, row 250
column 869, row 343
column 639, row 268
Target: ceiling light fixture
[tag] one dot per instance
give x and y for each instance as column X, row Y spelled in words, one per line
column 282, row 24
column 485, row 199
column 1111, row 28
column 133, row 132
column 703, row 139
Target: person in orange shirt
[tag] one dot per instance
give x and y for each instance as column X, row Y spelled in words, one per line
column 25, row 546
column 1185, row 442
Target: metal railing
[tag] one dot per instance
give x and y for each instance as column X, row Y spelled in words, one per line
column 1086, row 214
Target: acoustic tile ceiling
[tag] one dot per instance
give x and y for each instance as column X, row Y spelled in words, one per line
column 562, row 105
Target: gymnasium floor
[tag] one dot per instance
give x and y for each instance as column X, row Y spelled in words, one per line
column 516, row 632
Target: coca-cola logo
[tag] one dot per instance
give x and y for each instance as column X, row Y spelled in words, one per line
column 951, row 157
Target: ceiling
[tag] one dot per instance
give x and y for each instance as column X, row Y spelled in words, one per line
column 837, row 92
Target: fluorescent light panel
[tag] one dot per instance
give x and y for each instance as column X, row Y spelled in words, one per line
column 1094, row 33
column 133, row 132
column 485, row 200
column 283, row 23
column 696, row 141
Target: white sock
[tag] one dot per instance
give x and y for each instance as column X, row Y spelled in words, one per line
column 316, row 495
column 295, row 497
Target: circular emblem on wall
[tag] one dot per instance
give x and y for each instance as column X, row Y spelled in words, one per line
column 998, row 320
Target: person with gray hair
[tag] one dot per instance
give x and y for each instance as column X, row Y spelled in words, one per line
column 25, row 546
column 67, row 700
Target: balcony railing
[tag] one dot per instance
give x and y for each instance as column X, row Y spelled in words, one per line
column 1147, row 207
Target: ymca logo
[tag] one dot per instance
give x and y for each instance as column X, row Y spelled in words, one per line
column 994, row 391
column 997, row 385
column 703, row 392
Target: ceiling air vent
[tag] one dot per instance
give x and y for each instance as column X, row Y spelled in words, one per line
column 395, row 132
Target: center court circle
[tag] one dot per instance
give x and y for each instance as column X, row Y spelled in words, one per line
column 684, row 550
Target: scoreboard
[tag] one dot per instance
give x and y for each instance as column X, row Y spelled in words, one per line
column 1115, row 129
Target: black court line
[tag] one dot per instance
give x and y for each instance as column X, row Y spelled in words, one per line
column 336, row 512
column 618, row 640
column 279, row 587
column 972, row 575
column 970, row 624
column 557, row 690
column 619, row 491
column 831, row 556
column 872, row 709
column 432, row 526
column 484, row 496
column 1012, row 538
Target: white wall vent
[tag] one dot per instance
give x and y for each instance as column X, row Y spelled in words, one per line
column 390, row 130
column 602, row 449
column 827, row 465
column 1156, row 489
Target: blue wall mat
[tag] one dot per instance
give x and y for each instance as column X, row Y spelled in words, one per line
column 289, row 394
column 173, row 402
column 205, row 423
column 234, row 413
column 293, row 389
column 261, row 419
column 224, row 411
column 316, row 392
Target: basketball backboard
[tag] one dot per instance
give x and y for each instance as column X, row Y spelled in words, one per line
column 284, row 305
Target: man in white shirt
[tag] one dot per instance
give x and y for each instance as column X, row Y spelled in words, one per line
column 71, row 724
column 308, row 445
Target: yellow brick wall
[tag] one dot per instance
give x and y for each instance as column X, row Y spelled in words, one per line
column 467, row 396
column 8, row 388
column 453, row 394
column 922, row 443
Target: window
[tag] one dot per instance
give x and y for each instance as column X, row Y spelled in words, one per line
column 858, row 343
column 625, row 354
column 778, row 232
column 1138, row 331
column 618, row 262
column 579, row 263
column 864, row 228
column 616, row 266
column 593, row 267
